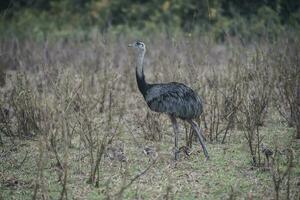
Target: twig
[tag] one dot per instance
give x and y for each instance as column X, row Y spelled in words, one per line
column 119, row 194
column 23, row 161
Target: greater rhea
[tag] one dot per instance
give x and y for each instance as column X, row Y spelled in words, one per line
column 175, row 99
column 267, row 151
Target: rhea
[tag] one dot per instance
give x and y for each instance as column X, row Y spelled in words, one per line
column 175, row 99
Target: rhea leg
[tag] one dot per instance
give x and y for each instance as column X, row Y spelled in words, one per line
column 176, row 132
column 200, row 136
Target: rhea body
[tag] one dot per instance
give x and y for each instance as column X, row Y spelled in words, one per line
column 174, row 99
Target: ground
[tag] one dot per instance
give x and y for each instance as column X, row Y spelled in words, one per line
column 228, row 173
column 78, row 98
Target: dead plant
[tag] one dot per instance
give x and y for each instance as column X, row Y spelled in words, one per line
column 280, row 170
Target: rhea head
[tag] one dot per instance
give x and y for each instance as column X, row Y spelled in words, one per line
column 139, row 46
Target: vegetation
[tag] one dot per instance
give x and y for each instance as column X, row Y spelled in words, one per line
column 247, row 20
column 74, row 126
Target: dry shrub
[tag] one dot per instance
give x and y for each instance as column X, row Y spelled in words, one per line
column 5, row 122
column 213, row 107
column 98, row 121
column 76, row 90
column 20, row 111
column 256, row 90
column 25, row 107
column 286, row 63
column 281, row 169
column 151, row 126
column 73, row 112
column 222, row 99
column 2, row 74
column 221, row 107
column 231, row 103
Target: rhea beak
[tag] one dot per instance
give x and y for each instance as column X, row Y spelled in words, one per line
column 130, row 45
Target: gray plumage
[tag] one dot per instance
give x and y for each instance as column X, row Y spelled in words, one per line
column 175, row 99
column 266, row 150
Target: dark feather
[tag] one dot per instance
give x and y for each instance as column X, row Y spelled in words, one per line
column 174, row 99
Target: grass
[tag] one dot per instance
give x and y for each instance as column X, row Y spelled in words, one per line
column 83, row 91
column 228, row 173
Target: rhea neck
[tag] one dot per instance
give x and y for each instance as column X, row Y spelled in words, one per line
column 140, row 77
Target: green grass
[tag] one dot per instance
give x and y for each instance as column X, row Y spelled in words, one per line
column 228, row 173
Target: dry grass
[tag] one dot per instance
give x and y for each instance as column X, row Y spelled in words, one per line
column 73, row 125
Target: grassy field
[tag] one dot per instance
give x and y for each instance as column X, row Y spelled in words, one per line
column 74, row 126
